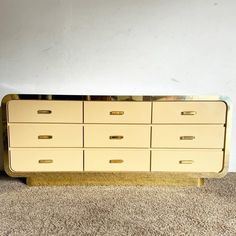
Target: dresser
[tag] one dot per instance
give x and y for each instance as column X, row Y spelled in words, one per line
column 129, row 137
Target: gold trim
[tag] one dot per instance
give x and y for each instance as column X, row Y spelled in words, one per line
column 116, row 137
column 186, row 162
column 188, row 113
column 116, row 161
column 45, row 161
column 45, row 136
column 44, row 112
column 187, row 137
column 116, row 113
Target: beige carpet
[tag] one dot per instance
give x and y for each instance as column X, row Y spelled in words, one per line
column 209, row 210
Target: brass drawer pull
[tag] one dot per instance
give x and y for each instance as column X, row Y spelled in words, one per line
column 116, row 137
column 45, row 137
column 117, row 161
column 188, row 113
column 117, row 113
column 45, row 161
column 186, row 162
column 44, row 111
column 187, row 137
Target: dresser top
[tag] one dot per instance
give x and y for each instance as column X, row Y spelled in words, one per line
column 112, row 97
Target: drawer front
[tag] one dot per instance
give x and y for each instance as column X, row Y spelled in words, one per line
column 117, row 160
column 46, row 159
column 188, row 136
column 189, row 112
column 45, row 135
column 44, row 111
column 187, row 160
column 117, row 112
column 117, row 136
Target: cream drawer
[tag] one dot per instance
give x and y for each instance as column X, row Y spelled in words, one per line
column 46, row 159
column 188, row 136
column 187, row 160
column 45, row 135
column 117, row 112
column 189, row 112
column 116, row 160
column 44, row 111
column 117, row 136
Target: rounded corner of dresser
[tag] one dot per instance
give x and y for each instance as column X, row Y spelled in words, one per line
column 9, row 171
column 8, row 97
column 7, row 166
column 227, row 101
column 223, row 172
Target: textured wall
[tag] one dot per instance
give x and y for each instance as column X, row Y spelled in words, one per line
column 151, row 47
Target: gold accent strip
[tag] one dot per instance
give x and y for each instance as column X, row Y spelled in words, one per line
column 117, row 113
column 186, row 162
column 114, row 178
column 44, row 111
column 45, row 161
column 116, row 137
column 188, row 113
column 187, row 137
column 116, row 161
column 45, row 137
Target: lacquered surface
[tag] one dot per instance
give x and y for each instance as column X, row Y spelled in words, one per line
column 123, row 160
column 189, row 112
column 117, row 112
column 133, row 136
column 59, row 159
column 45, row 111
column 61, row 135
column 197, row 136
column 187, row 160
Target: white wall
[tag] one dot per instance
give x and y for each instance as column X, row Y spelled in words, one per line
column 151, row 47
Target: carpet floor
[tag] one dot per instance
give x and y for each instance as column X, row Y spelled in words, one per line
column 118, row 210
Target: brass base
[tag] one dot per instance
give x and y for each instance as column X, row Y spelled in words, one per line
column 128, row 179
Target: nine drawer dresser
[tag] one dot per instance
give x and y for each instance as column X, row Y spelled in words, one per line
column 65, row 139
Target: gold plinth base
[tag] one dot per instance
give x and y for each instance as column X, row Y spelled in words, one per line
column 128, row 179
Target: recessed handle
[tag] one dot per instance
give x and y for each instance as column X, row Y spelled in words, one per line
column 116, row 137
column 45, row 137
column 44, row 111
column 117, row 113
column 116, row 161
column 186, row 162
column 45, row 161
column 188, row 113
column 187, row 137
